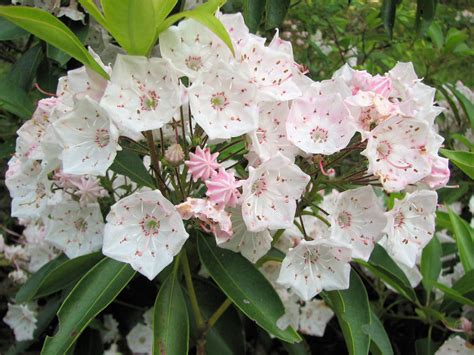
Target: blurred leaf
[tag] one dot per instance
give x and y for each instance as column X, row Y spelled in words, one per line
column 14, row 99
column 436, row 34
column 237, row 278
column 466, row 104
column 32, row 285
column 453, row 294
column 465, row 284
column 253, row 12
column 301, row 348
column 170, row 319
column 443, row 221
column 425, row 346
column 463, row 160
column 95, row 291
column 48, row 28
column 379, row 340
column 9, row 31
column 23, row 72
column 131, row 23
column 389, row 10
column 353, row 313
column 431, row 262
column 454, row 37
column 275, row 12
column 464, row 236
column 425, row 13
column 130, row 164
column 464, row 140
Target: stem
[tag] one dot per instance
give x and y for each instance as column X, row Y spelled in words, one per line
column 183, row 131
column 155, row 161
column 218, row 313
column 192, row 293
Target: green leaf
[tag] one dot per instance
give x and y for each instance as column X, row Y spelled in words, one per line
column 14, row 99
column 454, row 38
column 463, row 160
column 94, row 11
column 379, row 340
column 162, row 9
column 382, row 265
column 237, row 278
column 9, row 31
column 275, row 12
column 466, row 104
column 130, row 164
column 95, row 291
column 32, row 285
column 431, row 262
column 425, row 346
column 425, row 13
column 453, row 294
column 463, row 233
column 48, row 28
column 170, row 319
column 389, row 10
column 131, row 23
column 301, row 348
column 465, row 284
column 67, row 273
column 253, row 12
column 353, row 314
column 436, row 34
column 23, row 72
column 60, row 56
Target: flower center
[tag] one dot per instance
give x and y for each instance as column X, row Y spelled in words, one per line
column 344, row 219
column 319, row 135
column 384, row 149
column 399, row 220
column 149, row 101
column 259, row 186
column 310, row 257
column 80, row 224
column 102, row 137
column 219, row 101
column 194, row 62
column 150, row 225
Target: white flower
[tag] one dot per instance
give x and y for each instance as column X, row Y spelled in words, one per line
column 192, row 48
column 77, row 230
column 89, row 138
column 358, row 220
column 22, row 319
column 455, row 345
column 320, row 124
column 316, row 265
column 110, row 333
column 410, row 226
column 270, row 193
column 398, row 151
column 223, row 103
column 39, row 250
column 28, row 187
column 270, row 136
column 140, row 339
column 142, row 94
column 315, row 315
column 252, row 245
column 144, row 230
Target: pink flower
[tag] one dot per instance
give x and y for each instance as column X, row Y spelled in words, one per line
column 213, row 219
column 202, row 164
column 88, row 189
column 440, row 173
column 222, row 188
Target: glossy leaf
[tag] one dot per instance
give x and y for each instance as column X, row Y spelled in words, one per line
column 131, row 23
column 380, row 342
column 162, row 9
column 48, row 28
column 431, row 262
column 253, row 13
column 275, row 12
column 237, row 278
column 95, row 291
column 463, row 160
column 463, row 233
column 130, row 164
column 170, row 319
column 352, row 309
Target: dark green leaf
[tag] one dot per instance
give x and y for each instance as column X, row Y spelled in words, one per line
column 275, row 12
column 237, row 278
column 425, row 13
column 436, row 34
column 170, row 319
column 301, row 348
column 130, row 164
column 431, row 262
column 48, row 28
column 31, row 287
column 95, row 291
column 379, row 340
column 23, row 72
column 463, row 233
column 253, row 12
column 353, row 314
column 9, row 31
column 14, row 99
column 466, row 104
column 425, row 346
column 389, row 10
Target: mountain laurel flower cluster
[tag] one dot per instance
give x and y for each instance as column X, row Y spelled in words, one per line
column 244, row 147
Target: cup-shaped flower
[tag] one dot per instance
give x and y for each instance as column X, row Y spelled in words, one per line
column 22, row 319
column 144, row 230
column 270, row 193
column 358, row 220
column 316, row 265
column 320, row 125
column 142, row 94
column 411, row 225
column 89, row 138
